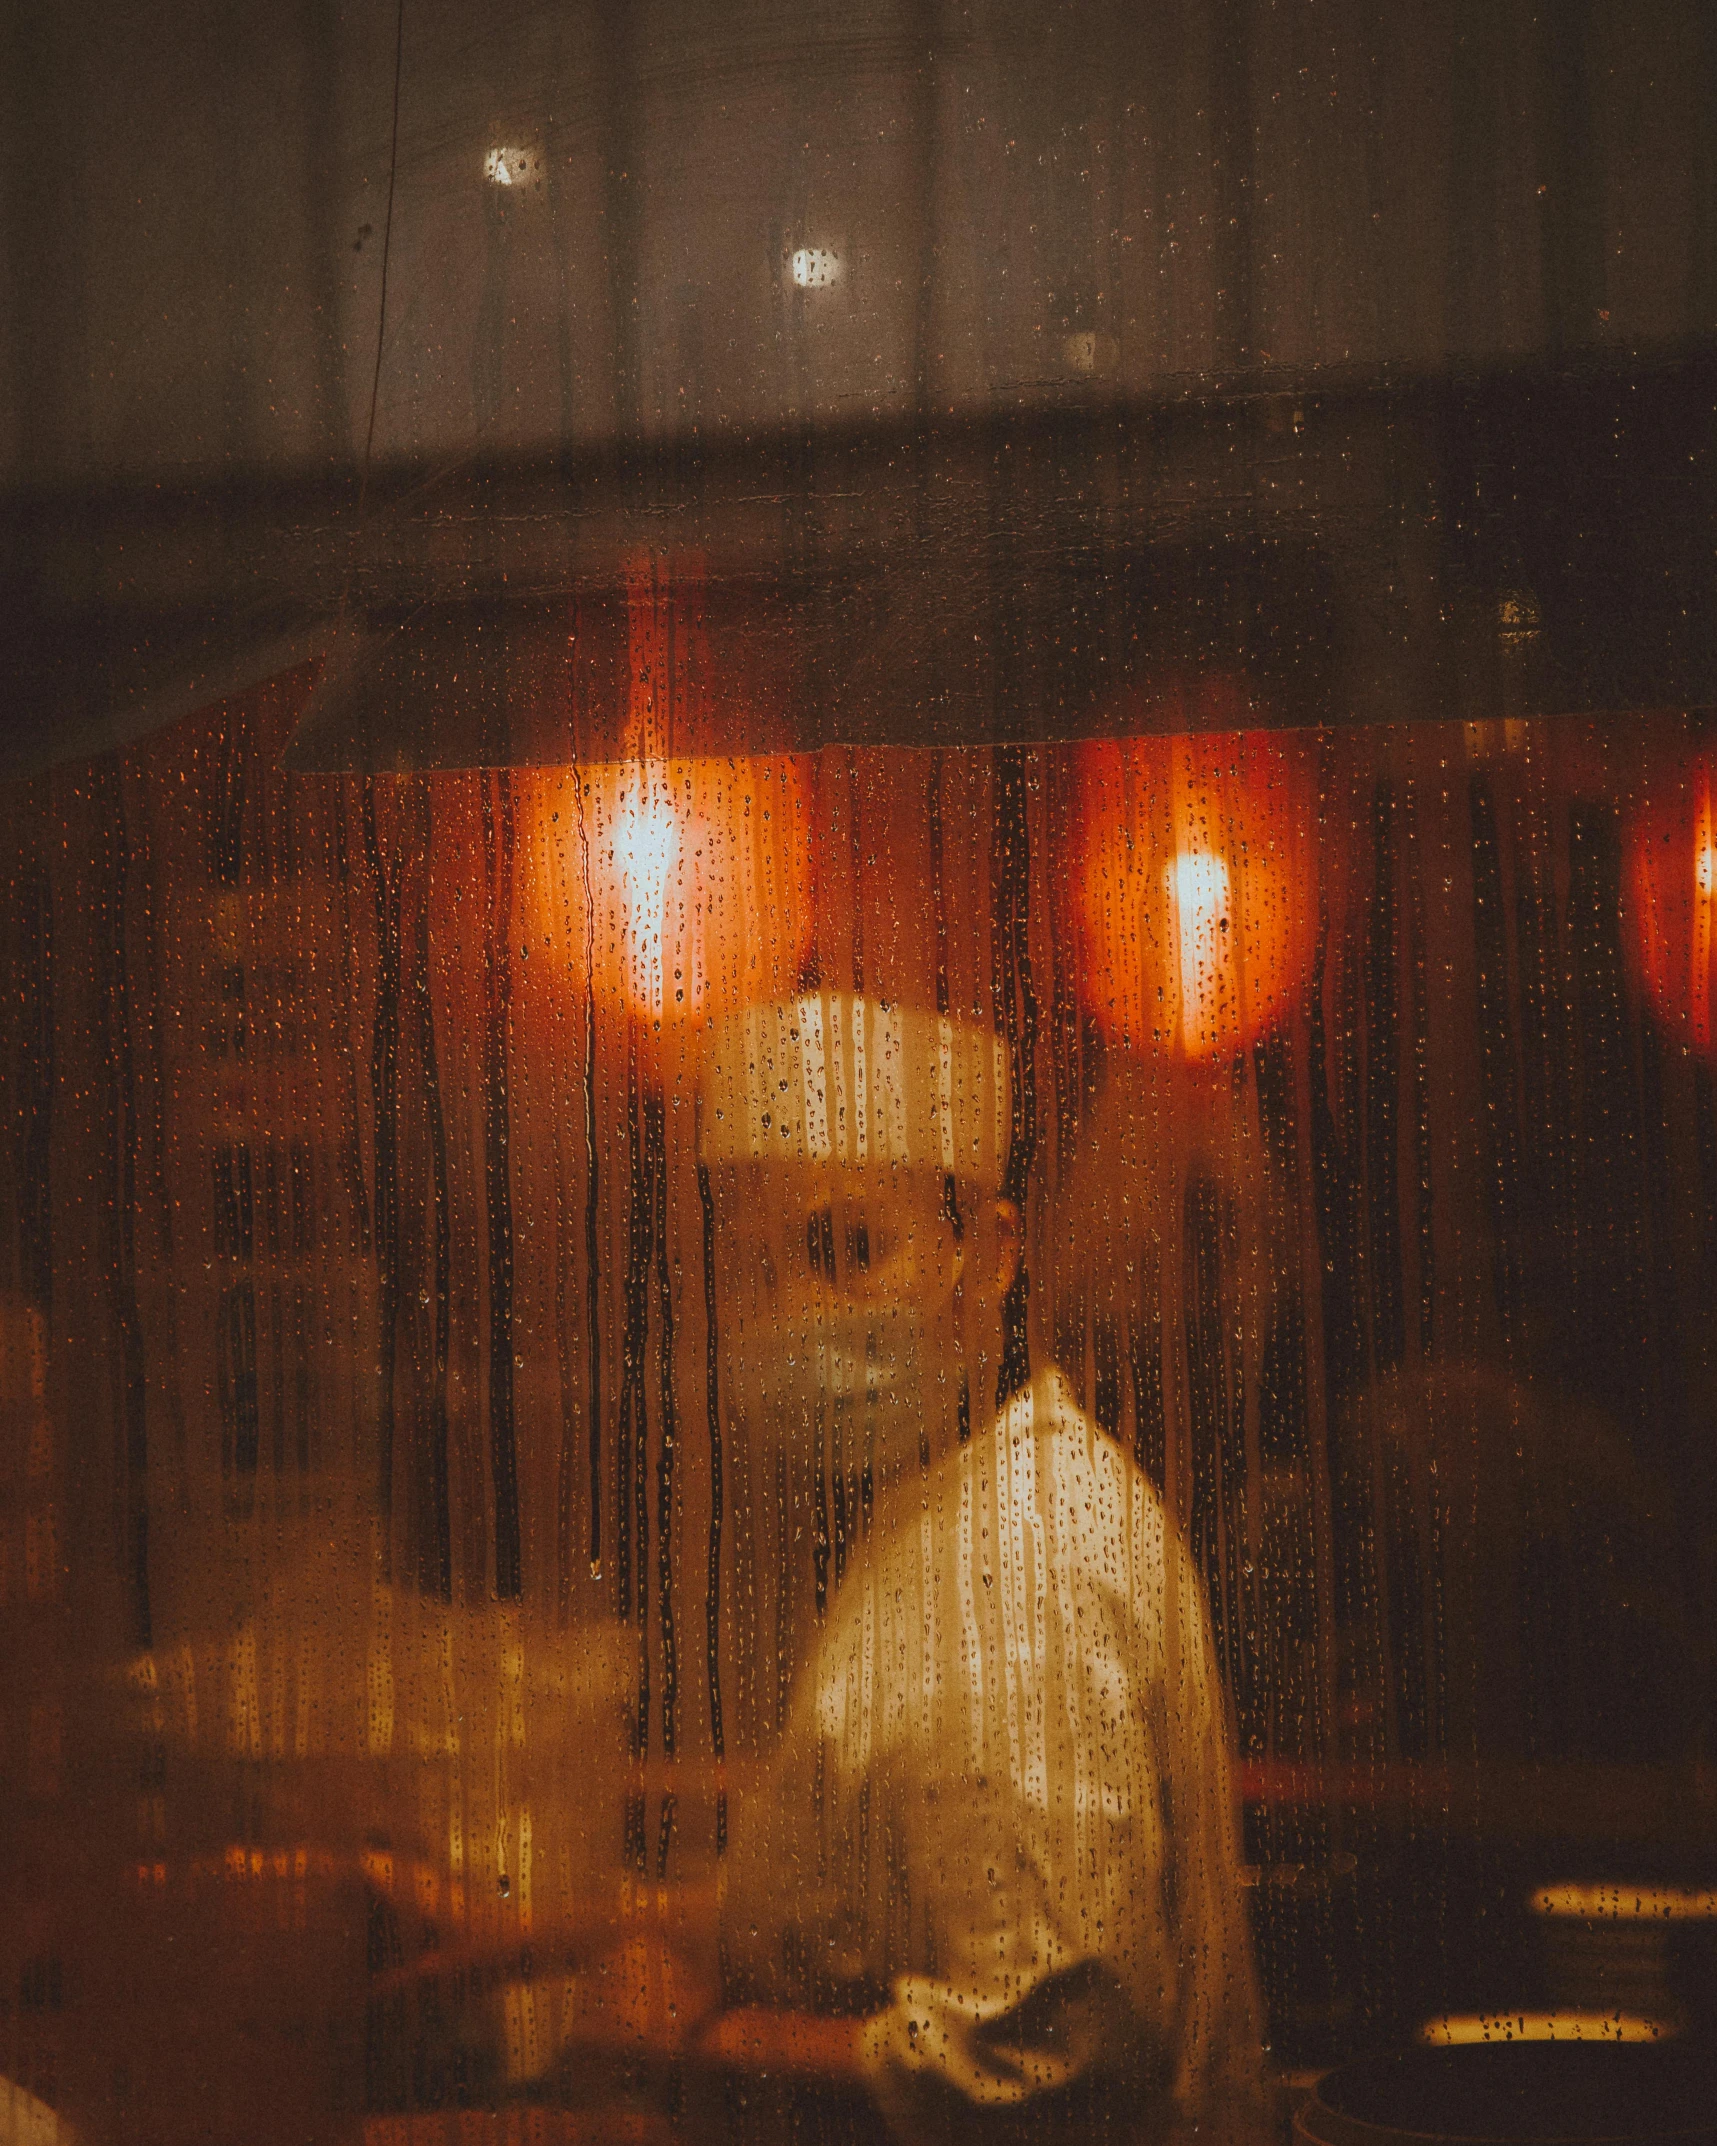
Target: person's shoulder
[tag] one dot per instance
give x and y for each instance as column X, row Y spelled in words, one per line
column 1040, row 1437
column 1077, row 1440
column 1107, row 1499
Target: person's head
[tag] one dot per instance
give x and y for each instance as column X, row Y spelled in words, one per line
column 864, row 1250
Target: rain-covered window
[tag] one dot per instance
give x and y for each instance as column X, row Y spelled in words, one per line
column 858, row 1214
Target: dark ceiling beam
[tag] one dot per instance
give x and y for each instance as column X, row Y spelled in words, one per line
column 1345, row 540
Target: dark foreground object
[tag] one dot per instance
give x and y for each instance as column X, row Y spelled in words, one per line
column 1513, row 2093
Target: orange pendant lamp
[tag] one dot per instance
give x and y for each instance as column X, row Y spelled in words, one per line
column 686, row 879
column 699, row 883
column 1198, row 908
column 1672, row 900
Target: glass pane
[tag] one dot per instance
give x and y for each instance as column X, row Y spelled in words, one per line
column 824, row 1436
column 858, row 1157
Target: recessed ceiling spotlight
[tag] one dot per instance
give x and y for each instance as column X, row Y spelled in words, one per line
column 814, row 268
column 513, row 167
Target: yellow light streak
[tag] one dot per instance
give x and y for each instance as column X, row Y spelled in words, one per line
column 1590, row 1902
column 1466, row 2030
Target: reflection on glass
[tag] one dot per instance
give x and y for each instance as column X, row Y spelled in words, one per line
column 1006, row 1438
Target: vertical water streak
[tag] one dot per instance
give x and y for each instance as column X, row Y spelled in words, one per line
column 855, row 835
column 1382, row 1092
column 1015, row 1002
column 222, row 796
column 497, row 816
column 820, row 1545
column 435, row 1539
column 1300, row 1104
column 1145, row 1363
column 1420, row 1015
column 844, row 1509
column 938, row 891
column 277, row 1381
column 1704, row 1560
column 1664, row 1306
column 1333, row 1206
column 384, row 1103
column 656, row 1160
column 634, row 1334
column 592, row 1190
column 1546, row 1085
column 717, row 1492
column 1499, row 1127
column 1212, row 1422
column 1593, row 1212
column 566, row 1468
column 632, row 1514
column 155, row 1072
column 34, row 1064
column 113, row 987
column 1074, row 1048
column 783, row 1590
column 159, row 1092
column 351, row 1138
column 305, row 1443
column 1705, row 1145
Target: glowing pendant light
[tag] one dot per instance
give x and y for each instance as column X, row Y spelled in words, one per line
column 1195, row 891
column 1672, row 901
column 684, row 879
column 699, row 883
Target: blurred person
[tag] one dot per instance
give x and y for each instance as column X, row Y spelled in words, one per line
column 990, row 1876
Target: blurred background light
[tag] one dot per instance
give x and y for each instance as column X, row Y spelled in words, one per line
column 815, row 268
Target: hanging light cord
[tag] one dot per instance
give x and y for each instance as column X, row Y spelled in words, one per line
column 387, row 244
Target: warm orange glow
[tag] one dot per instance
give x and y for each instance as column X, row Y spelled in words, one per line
column 698, row 876
column 1194, row 888
column 1672, row 897
column 682, row 879
column 646, row 848
column 1197, row 887
column 1594, row 1901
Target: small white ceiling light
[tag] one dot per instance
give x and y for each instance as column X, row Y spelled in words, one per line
column 815, row 268
column 513, row 167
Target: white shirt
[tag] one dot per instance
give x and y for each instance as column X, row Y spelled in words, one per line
column 1004, row 1797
